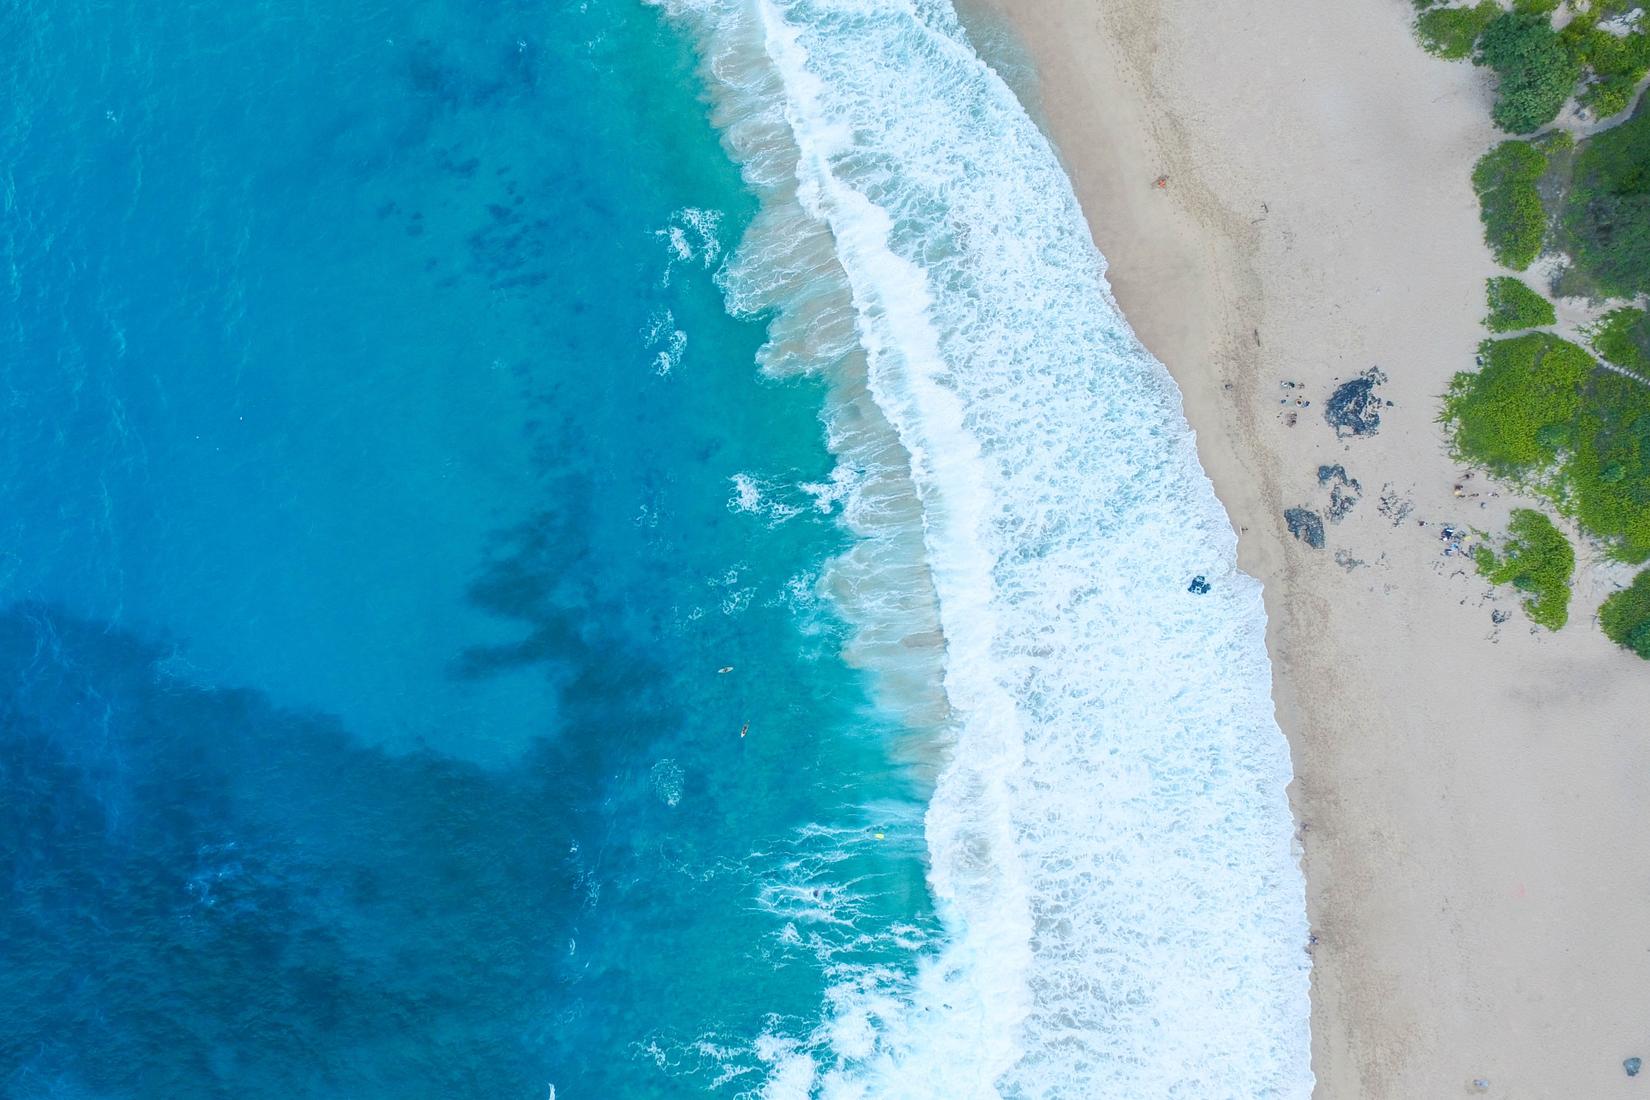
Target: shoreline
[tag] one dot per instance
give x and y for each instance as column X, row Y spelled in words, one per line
column 1465, row 787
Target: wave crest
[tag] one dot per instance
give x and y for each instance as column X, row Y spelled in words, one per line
column 1111, row 851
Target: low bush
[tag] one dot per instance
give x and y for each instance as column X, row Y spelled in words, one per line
column 1623, row 337
column 1514, row 306
column 1453, row 32
column 1625, row 616
column 1537, row 560
column 1606, row 215
column 1617, row 63
column 1535, row 72
column 1606, row 480
column 1540, row 412
column 1609, row 95
column 1513, row 415
column 1509, row 203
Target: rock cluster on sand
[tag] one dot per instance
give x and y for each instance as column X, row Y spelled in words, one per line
column 1305, row 525
column 1344, row 490
column 1354, row 409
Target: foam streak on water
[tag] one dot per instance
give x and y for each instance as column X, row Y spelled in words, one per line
column 1111, row 848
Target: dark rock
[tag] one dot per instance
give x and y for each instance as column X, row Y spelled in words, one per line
column 1354, row 409
column 1199, row 586
column 1344, row 491
column 1498, row 617
column 1305, row 525
column 1394, row 506
column 1341, row 500
column 1632, row 1066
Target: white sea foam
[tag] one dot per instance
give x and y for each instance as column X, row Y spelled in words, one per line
column 691, row 238
column 668, row 342
column 1110, row 847
column 760, row 498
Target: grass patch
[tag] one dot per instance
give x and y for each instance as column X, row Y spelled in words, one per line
column 1538, row 561
column 1625, row 616
column 1453, row 32
column 1541, row 413
column 1623, row 337
column 1534, row 69
column 1510, row 203
column 1606, row 216
column 1515, row 306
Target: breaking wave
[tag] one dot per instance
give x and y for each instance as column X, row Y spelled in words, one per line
column 1111, row 852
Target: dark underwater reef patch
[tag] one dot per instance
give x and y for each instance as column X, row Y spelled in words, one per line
column 209, row 896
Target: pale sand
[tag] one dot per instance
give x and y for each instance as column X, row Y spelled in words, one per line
column 1477, row 799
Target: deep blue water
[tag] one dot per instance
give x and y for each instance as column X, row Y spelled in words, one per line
column 364, row 581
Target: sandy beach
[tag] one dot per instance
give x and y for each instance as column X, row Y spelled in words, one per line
column 1471, row 793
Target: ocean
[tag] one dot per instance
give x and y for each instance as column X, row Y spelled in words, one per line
column 603, row 549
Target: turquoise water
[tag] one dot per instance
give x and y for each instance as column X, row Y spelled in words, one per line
column 600, row 549
column 370, row 545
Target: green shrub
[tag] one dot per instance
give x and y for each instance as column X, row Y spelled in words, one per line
column 1508, row 202
column 1606, row 478
column 1537, row 560
column 1617, row 64
column 1609, row 54
column 1514, row 306
column 1625, row 616
column 1540, row 412
column 1453, row 32
column 1606, row 216
column 1608, row 96
column 1527, row 384
column 1536, row 7
column 1623, row 337
column 1535, row 71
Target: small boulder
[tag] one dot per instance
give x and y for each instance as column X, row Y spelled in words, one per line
column 1199, row 586
column 1632, row 1066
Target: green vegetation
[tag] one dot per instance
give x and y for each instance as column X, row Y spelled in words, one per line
column 1453, row 32
column 1623, row 337
column 1513, row 415
column 1508, row 202
column 1514, row 306
column 1606, row 215
column 1607, row 479
column 1538, row 561
column 1617, row 63
column 1535, row 72
column 1625, row 616
column 1541, row 413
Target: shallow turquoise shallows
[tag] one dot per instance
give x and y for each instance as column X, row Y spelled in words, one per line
column 396, row 699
